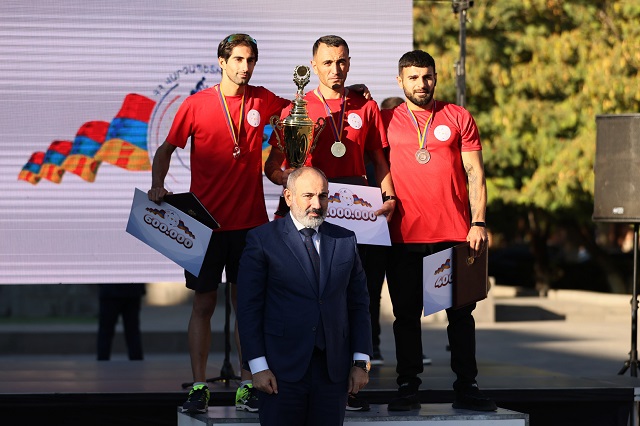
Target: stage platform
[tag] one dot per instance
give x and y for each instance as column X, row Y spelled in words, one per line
column 87, row 392
column 556, row 359
column 428, row 415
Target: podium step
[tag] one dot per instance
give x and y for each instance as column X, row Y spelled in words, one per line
column 428, row 415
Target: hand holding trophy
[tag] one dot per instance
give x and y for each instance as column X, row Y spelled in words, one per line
column 297, row 128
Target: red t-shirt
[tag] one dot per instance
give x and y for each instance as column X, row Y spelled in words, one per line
column 231, row 189
column 433, row 200
column 362, row 131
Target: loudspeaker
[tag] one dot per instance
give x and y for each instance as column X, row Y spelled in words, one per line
column 617, row 168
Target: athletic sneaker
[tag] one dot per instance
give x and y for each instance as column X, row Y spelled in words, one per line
column 357, row 404
column 198, row 400
column 247, row 398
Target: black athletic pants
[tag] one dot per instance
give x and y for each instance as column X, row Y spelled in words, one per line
column 404, row 278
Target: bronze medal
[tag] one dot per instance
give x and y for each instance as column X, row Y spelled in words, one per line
column 423, row 156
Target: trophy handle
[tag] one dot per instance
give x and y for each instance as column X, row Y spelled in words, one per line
column 277, row 126
column 320, row 123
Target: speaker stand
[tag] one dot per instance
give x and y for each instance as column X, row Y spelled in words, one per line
column 632, row 362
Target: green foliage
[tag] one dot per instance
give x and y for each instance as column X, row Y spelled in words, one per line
column 537, row 74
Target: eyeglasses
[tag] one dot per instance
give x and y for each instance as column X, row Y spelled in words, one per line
column 241, row 37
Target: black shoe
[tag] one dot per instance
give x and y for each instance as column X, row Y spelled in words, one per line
column 357, row 404
column 406, row 400
column 471, row 398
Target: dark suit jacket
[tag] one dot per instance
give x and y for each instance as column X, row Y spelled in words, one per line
column 280, row 304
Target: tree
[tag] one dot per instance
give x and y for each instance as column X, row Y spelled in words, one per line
column 538, row 72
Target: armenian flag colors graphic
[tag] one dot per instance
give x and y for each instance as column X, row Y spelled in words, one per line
column 54, row 157
column 121, row 142
column 89, row 138
column 361, row 201
column 126, row 144
column 31, row 171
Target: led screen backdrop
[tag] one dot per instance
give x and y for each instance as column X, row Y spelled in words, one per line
column 88, row 91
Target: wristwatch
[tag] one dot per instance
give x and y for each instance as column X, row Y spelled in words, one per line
column 480, row 224
column 365, row 365
column 388, row 197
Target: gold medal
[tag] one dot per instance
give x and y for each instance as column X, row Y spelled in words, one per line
column 338, row 149
column 423, row 156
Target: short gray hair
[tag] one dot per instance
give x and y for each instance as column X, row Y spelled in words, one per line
column 294, row 175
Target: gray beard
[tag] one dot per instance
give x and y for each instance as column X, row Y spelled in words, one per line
column 307, row 221
column 311, row 222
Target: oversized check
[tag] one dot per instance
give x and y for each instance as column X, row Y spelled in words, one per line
column 353, row 207
column 169, row 231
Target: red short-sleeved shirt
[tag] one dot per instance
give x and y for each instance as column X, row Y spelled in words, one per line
column 433, row 200
column 362, row 131
column 231, row 189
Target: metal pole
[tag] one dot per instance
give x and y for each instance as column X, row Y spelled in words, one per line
column 461, row 7
column 634, row 306
column 460, row 68
column 632, row 362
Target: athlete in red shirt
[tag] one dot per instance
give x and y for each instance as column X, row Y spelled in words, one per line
column 452, row 135
column 352, row 127
column 225, row 124
column 437, row 169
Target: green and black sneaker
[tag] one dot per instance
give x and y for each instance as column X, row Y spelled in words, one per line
column 247, row 398
column 198, row 400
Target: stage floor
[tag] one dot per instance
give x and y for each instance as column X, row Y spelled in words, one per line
column 63, row 390
column 556, row 359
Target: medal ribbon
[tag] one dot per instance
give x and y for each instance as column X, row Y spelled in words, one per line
column 229, row 119
column 422, row 137
column 343, row 107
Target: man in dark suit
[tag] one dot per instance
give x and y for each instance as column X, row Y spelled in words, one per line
column 303, row 317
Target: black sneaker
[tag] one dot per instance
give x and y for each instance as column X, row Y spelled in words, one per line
column 471, row 398
column 426, row 360
column 198, row 400
column 357, row 404
column 377, row 359
column 406, row 400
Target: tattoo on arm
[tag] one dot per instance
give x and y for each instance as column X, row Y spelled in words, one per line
column 474, row 194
